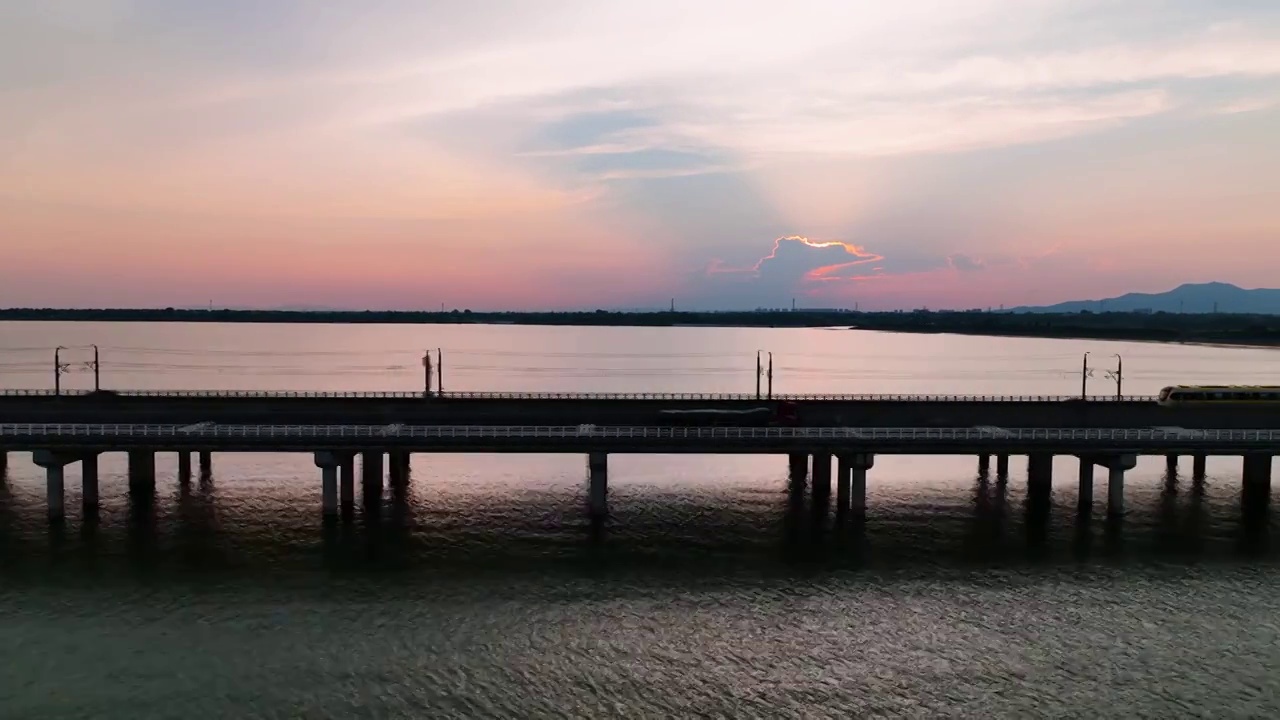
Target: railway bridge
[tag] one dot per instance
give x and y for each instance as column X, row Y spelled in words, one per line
column 852, row 450
column 621, row 409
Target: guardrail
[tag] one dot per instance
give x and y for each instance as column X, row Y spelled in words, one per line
column 667, row 396
column 462, row 432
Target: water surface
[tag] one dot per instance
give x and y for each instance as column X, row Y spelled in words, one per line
column 482, row 591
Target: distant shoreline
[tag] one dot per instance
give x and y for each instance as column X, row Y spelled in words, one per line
column 1261, row 344
column 1261, row 331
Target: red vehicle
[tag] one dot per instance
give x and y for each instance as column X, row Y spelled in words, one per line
column 788, row 414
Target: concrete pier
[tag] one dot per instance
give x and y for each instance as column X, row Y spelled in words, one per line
column 1198, row 467
column 851, row 483
column 328, row 463
column 1084, row 503
column 984, row 464
column 4, row 462
column 54, row 466
column 206, row 463
column 1117, row 466
column 184, row 466
column 821, row 477
column 142, row 471
column 89, row 483
column 398, row 468
column 1257, row 472
column 598, row 481
column 347, row 486
column 395, row 476
column 371, row 475
column 1171, row 465
column 1002, row 467
column 798, row 467
column 1255, row 495
column 844, row 481
column 859, row 464
column 1039, row 479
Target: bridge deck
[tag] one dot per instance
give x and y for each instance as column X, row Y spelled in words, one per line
column 589, row 396
column 640, row 410
column 655, row 439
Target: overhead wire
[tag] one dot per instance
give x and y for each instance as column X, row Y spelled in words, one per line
column 488, row 363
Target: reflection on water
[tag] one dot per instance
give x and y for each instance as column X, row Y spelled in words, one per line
column 480, row 588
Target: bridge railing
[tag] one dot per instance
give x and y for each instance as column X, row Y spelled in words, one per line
column 660, row 396
column 513, row 432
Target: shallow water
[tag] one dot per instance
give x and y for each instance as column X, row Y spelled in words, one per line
column 713, row 590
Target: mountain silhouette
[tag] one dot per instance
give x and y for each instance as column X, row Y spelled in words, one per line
column 1189, row 298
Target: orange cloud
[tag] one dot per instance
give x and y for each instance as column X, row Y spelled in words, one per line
column 823, row 272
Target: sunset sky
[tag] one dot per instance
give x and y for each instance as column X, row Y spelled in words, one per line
column 495, row 154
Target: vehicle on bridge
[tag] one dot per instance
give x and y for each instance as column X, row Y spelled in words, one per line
column 785, row 414
column 1219, row 395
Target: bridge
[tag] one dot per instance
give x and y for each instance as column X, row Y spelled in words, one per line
column 486, row 395
column 54, row 446
column 384, row 429
column 622, row 409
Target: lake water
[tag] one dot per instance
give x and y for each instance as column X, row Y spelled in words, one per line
column 483, row 592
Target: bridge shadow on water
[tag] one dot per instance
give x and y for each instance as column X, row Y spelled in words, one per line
column 191, row 533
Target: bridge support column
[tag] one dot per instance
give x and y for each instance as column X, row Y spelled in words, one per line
column 1039, row 478
column 398, row 468
column 206, row 463
column 798, row 467
column 984, row 464
column 371, row 472
column 348, row 486
column 598, row 490
column 821, row 477
column 328, row 464
column 844, row 480
column 54, row 466
column 859, row 464
column 1002, row 467
column 142, row 471
column 4, row 462
column 1198, row 467
column 1171, row 465
column 1117, row 466
column 1257, row 479
column 89, row 483
column 184, row 467
column 1084, row 503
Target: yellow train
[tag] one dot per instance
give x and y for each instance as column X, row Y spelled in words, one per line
column 1220, row 395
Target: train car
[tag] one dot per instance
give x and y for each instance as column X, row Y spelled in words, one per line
column 715, row 417
column 785, row 414
column 1220, row 395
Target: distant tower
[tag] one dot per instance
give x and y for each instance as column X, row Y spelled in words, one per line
column 793, row 304
column 673, row 304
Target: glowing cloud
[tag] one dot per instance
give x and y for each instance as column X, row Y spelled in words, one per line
column 796, row 265
column 785, row 249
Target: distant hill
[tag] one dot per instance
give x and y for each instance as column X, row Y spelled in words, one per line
column 1189, row 298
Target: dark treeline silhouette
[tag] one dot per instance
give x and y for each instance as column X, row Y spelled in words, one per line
column 1158, row 326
